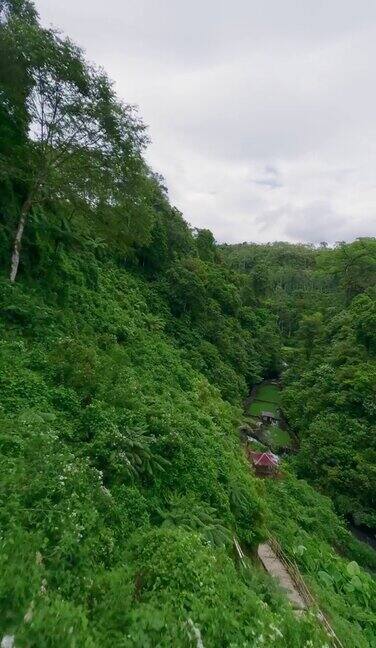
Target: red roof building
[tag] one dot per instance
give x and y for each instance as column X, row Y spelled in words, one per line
column 264, row 463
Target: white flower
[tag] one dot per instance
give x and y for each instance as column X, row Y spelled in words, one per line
column 29, row 614
column 276, row 630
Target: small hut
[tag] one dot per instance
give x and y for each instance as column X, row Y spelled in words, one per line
column 269, row 417
column 264, row 463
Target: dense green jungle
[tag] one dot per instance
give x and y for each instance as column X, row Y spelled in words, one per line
column 129, row 341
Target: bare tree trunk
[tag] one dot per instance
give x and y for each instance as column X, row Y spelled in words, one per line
column 18, row 239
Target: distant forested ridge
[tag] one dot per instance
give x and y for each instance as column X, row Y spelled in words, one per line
column 324, row 300
column 129, row 341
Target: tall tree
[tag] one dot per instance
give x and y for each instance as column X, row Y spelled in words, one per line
column 355, row 263
column 80, row 139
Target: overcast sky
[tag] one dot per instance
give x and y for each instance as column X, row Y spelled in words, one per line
column 262, row 113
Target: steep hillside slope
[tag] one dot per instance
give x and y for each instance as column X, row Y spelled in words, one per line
column 325, row 304
column 122, row 478
column 123, row 481
column 128, row 342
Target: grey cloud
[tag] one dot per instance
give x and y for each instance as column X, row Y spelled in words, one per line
column 272, row 183
column 269, row 178
column 319, row 222
column 262, row 114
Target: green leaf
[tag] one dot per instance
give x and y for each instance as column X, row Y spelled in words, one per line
column 353, row 568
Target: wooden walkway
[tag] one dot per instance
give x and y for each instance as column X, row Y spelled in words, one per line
column 286, row 572
column 277, row 569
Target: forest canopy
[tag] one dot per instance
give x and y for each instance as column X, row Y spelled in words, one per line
column 129, row 341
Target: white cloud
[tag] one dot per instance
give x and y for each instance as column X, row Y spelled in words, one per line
column 262, row 114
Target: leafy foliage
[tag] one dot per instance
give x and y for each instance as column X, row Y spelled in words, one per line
column 329, row 379
column 127, row 345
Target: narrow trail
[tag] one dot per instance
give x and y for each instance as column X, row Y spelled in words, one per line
column 285, row 571
column 287, row 574
column 276, row 568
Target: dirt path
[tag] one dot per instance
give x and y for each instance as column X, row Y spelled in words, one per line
column 275, row 568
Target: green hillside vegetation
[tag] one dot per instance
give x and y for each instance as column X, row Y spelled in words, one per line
column 128, row 344
column 311, row 534
column 325, row 303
